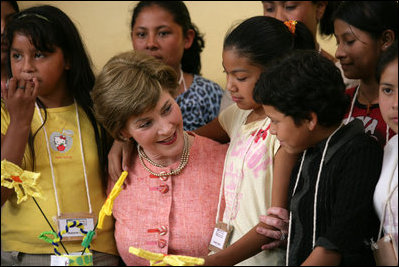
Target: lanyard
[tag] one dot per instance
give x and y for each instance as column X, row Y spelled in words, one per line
column 351, row 111
column 315, row 195
column 181, row 80
column 51, row 162
column 234, row 203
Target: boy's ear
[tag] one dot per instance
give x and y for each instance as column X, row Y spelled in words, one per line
column 388, row 37
column 312, row 122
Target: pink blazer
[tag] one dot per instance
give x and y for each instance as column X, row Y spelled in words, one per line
column 172, row 215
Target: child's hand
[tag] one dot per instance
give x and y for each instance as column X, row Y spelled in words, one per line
column 119, row 157
column 278, row 218
column 19, row 97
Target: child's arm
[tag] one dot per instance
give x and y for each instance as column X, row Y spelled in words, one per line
column 20, row 104
column 214, row 131
column 250, row 244
column 321, row 256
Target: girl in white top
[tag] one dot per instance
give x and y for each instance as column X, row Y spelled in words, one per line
column 256, row 172
column 386, row 191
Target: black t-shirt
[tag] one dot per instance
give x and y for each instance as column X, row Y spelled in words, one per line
column 346, row 220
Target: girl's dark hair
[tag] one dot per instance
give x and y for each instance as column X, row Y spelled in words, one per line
column 386, row 58
column 263, row 38
column 373, row 17
column 48, row 27
column 302, row 82
column 191, row 61
column 326, row 25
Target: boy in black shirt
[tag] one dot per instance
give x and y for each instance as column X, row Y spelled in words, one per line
column 331, row 211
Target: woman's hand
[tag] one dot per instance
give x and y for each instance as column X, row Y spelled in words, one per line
column 278, row 218
column 19, row 98
column 119, row 156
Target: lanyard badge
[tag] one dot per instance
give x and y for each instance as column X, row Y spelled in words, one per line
column 220, row 237
column 88, row 220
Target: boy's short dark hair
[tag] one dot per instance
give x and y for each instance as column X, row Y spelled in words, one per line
column 303, row 82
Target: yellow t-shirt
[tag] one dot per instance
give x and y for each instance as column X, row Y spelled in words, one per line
column 22, row 224
column 248, row 177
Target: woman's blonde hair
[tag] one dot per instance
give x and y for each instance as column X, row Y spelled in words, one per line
column 130, row 84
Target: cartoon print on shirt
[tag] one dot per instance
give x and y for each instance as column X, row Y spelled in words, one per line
column 61, row 142
column 369, row 123
column 255, row 162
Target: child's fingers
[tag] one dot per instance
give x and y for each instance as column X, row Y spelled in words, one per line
column 21, row 85
column 4, row 91
column 35, row 89
column 12, row 87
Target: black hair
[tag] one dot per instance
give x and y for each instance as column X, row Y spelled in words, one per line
column 386, row 58
column 263, row 38
column 326, row 25
column 48, row 27
column 191, row 60
column 373, row 17
column 303, row 82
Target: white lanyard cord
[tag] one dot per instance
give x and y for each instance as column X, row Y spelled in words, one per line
column 83, row 159
column 51, row 162
column 315, row 195
column 352, row 105
column 351, row 111
column 181, row 80
column 234, row 204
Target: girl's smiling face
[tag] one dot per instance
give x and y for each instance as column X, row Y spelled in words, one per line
column 158, row 131
column 357, row 51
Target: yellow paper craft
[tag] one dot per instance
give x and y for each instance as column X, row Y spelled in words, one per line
column 24, row 182
column 106, row 209
column 159, row 259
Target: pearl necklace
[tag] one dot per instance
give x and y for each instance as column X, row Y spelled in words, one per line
column 183, row 159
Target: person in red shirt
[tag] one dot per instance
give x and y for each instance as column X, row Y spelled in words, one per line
column 363, row 31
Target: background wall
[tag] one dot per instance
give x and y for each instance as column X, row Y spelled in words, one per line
column 105, row 27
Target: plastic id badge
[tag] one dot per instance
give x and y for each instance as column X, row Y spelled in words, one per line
column 88, row 220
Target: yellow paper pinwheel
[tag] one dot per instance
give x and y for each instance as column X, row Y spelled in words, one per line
column 24, row 182
column 106, row 209
column 159, row 259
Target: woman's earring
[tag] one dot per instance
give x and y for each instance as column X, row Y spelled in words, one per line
column 131, row 139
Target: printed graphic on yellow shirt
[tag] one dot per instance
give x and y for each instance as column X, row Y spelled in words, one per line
column 61, row 142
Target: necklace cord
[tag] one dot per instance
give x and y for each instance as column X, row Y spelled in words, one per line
column 51, row 162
